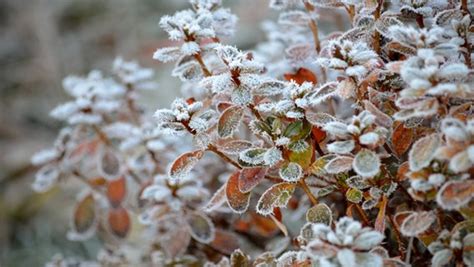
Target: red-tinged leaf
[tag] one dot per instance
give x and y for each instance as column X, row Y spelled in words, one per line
column 455, row 194
column 221, row 106
column 417, row 223
column 277, row 213
column 201, row 227
column 301, row 76
column 229, row 121
column 184, row 164
column 109, row 164
column 238, row 201
column 250, row 177
column 116, row 191
column 276, row 196
column 318, row 134
column 339, row 164
column 423, row 151
column 216, row 200
column 380, row 220
column 119, row 222
column 234, row 147
column 85, row 214
column 381, row 118
column 402, row 171
column 402, row 138
column 264, row 226
column 225, row 242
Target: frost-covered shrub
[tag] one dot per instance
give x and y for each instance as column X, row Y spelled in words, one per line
column 346, row 148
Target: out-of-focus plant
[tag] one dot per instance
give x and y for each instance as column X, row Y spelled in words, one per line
column 344, row 148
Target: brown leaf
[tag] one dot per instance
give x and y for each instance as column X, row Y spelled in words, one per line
column 119, row 221
column 402, row 138
column 229, row 121
column 238, row 201
column 184, row 163
column 301, row 76
column 455, row 194
column 116, row 191
column 84, row 215
column 250, row 177
column 225, row 242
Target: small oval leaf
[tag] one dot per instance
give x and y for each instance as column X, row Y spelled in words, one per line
column 229, row 121
column 184, row 164
column 238, row 201
column 320, row 213
column 116, row 191
column 119, row 222
column 276, row 196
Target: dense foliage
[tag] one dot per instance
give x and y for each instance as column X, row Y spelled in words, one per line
column 353, row 147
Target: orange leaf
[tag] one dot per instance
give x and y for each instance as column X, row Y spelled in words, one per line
column 402, row 138
column 318, row 134
column 225, row 242
column 116, row 191
column 184, row 163
column 238, row 201
column 250, row 177
column 119, row 221
column 84, row 215
column 301, row 76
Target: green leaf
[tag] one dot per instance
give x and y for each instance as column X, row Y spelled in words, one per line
column 320, row 213
column 354, row 195
column 276, row 196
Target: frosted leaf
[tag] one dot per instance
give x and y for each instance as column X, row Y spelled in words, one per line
column 181, row 167
column 366, row 163
column 339, row 164
column 253, row 156
column 62, row 112
column 341, row 147
column 455, row 194
column 238, row 201
column 229, row 121
column 294, row 18
column 201, row 227
column 369, row 259
column 468, row 254
column 346, row 257
column 336, row 128
column 354, row 195
column 357, row 182
column 291, row 172
column 423, row 151
column 44, row 156
column 250, row 177
column 442, row 258
column 453, row 71
column 323, row 93
column 241, row 96
column 109, row 164
column 272, row 156
column 460, row 162
column 320, row 119
column 167, row 54
column 368, row 240
column 46, row 178
column 417, row 223
column 454, row 129
column 238, row 258
column 82, row 118
column 370, row 138
column 276, row 196
column 234, row 147
column 190, row 71
column 369, row 204
column 202, row 122
column 269, row 88
column 217, row 200
column 84, row 217
column 190, row 48
column 156, row 192
column 320, row 213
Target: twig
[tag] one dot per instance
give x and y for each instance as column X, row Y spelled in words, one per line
column 306, row 189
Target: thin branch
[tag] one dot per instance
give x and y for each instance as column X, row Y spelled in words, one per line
column 308, row 192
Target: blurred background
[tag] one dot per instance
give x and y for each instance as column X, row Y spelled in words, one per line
column 41, row 42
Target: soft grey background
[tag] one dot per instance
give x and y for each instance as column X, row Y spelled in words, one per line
column 42, row 41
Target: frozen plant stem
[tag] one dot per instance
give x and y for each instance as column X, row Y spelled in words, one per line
column 307, row 190
column 314, row 27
